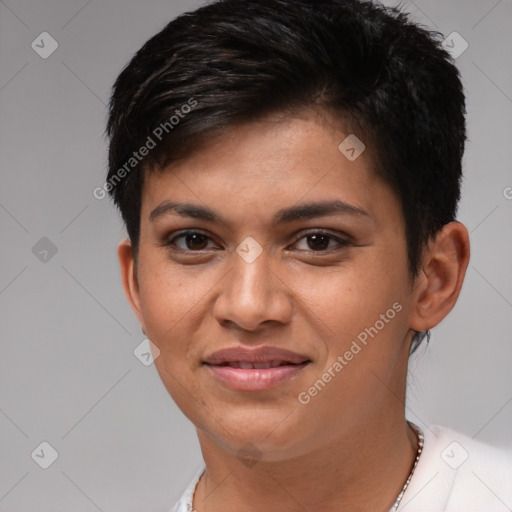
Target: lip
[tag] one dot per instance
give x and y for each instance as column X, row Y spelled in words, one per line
column 224, row 366
column 260, row 379
column 261, row 354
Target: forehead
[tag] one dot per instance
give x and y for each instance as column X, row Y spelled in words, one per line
column 261, row 166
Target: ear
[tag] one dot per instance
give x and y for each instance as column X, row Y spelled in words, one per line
column 129, row 278
column 438, row 285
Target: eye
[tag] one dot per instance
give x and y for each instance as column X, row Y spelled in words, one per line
column 192, row 241
column 319, row 242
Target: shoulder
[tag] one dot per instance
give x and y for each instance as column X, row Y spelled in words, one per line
column 456, row 473
column 185, row 502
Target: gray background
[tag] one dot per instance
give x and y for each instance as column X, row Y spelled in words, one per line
column 68, row 372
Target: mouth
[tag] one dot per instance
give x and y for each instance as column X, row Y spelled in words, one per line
column 259, row 369
column 247, row 365
column 243, row 376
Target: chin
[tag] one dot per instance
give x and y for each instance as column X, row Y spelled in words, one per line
column 273, row 435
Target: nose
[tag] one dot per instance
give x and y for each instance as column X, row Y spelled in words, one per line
column 252, row 295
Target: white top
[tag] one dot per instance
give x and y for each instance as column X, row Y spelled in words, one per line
column 454, row 474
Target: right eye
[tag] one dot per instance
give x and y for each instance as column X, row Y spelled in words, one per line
column 191, row 241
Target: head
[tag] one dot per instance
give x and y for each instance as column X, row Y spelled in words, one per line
column 323, row 138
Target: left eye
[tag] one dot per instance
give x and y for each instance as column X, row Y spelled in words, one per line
column 319, row 242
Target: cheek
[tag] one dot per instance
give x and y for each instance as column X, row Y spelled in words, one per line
column 168, row 294
column 170, row 306
column 347, row 299
column 159, row 302
column 175, row 307
column 363, row 310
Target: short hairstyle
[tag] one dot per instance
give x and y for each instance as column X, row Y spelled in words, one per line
column 381, row 76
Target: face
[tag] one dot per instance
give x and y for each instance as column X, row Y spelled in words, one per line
column 269, row 240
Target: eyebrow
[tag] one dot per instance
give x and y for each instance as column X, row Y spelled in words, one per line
column 285, row 215
column 318, row 209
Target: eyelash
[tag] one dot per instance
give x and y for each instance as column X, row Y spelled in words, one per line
column 342, row 242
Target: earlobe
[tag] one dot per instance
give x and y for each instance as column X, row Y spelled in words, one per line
column 129, row 278
column 444, row 265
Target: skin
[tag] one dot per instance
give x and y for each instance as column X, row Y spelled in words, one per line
column 349, row 448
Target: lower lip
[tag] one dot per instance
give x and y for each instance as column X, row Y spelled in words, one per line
column 255, row 379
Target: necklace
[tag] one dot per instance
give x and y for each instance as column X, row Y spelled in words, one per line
column 421, row 441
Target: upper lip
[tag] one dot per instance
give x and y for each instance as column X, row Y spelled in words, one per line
column 255, row 355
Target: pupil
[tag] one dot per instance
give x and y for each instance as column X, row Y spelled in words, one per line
column 318, row 242
column 196, row 241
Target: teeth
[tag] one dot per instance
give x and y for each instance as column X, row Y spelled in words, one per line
column 261, row 365
column 244, row 365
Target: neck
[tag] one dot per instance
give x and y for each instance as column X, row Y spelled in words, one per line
column 364, row 469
